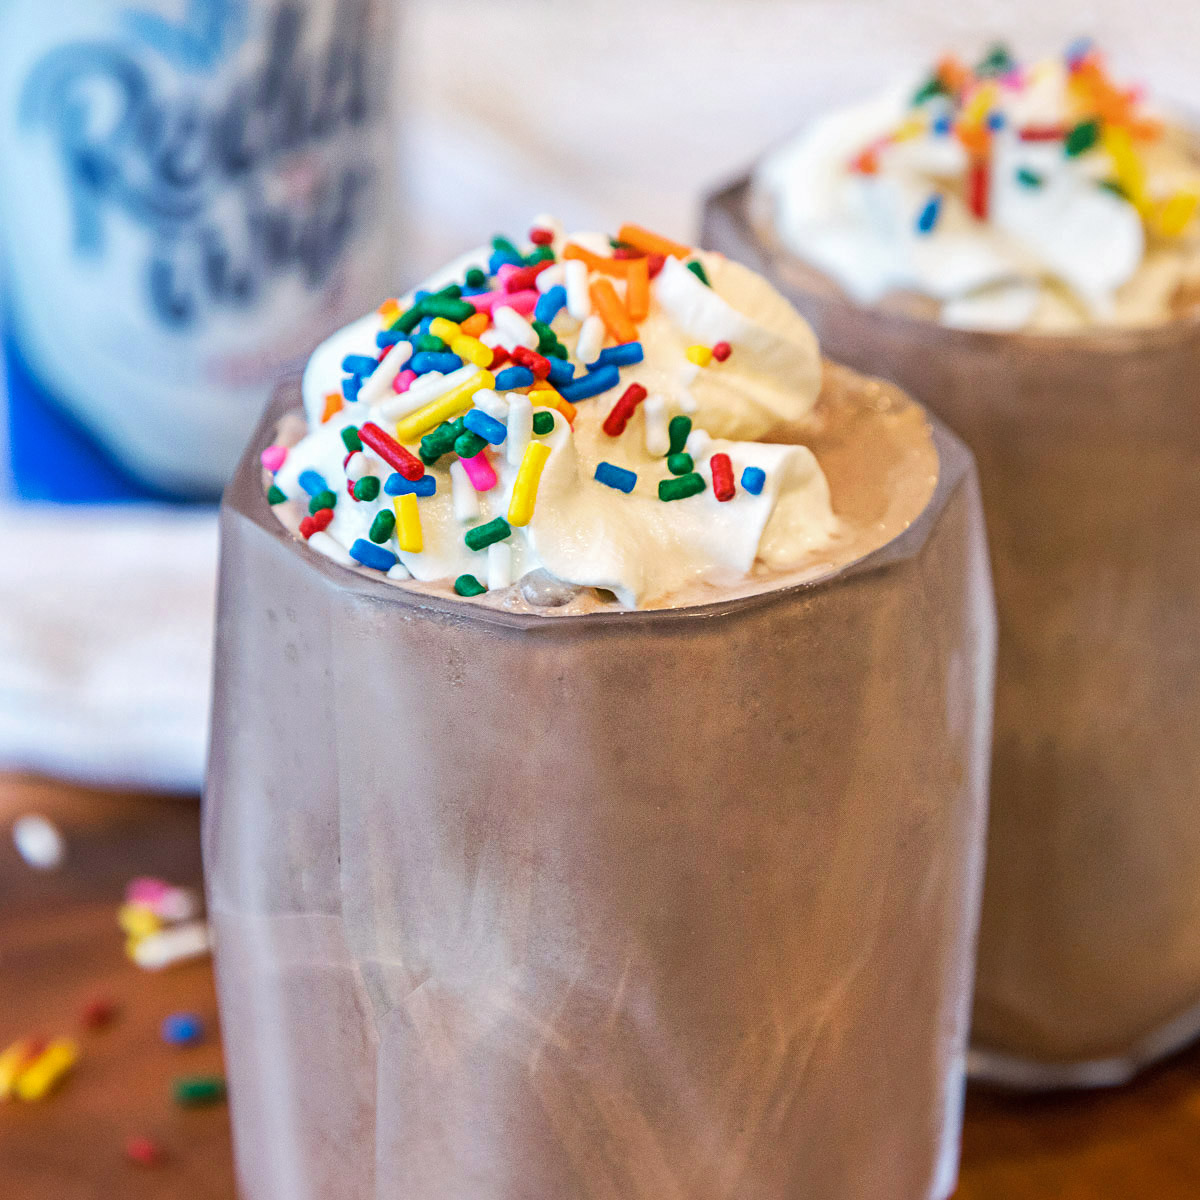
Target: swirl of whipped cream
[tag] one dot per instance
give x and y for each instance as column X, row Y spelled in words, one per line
column 1044, row 191
column 636, row 545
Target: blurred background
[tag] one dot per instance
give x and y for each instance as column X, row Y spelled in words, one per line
column 489, row 112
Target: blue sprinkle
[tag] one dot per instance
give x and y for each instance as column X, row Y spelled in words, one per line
column 358, row 364
column 421, row 294
column 591, row 384
column 624, row 355
column 1078, row 50
column 996, row 121
column 182, row 1029
column 388, row 337
column 500, row 257
column 551, row 304
column 351, row 386
column 397, row 485
column 561, row 371
column 514, row 377
column 929, row 214
column 615, row 477
column 488, row 428
column 371, row 555
column 313, row 482
column 423, row 328
column 429, row 360
column 942, row 126
column 753, row 479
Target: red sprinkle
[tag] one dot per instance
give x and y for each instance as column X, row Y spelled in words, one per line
column 979, row 182
column 657, row 262
column 391, row 451
column 541, row 237
column 722, row 476
column 99, row 1013
column 721, row 351
column 499, row 357
column 627, row 252
column 143, row 1151
column 307, row 528
column 1042, row 133
column 539, row 365
column 522, row 279
column 615, row 422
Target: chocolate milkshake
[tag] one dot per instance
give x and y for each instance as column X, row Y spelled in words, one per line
column 642, row 857
column 1033, row 278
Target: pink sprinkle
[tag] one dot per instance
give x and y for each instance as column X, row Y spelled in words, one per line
column 146, row 890
column 273, row 458
column 524, row 302
column 505, row 271
column 403, row 381
column 480, row 471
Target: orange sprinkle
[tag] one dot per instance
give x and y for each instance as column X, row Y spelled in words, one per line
column 333, row 404
column 976, row 139
column 651, row 243
column 547, row 397
column 612, row 312
column 596, row 262
column 866, row 163
column 389, row 310
column 637, row 288
column 474, row 326
column 953, row 73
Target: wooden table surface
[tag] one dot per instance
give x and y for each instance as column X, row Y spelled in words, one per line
column 60, row 948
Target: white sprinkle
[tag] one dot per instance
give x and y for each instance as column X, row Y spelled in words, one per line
column 490, row 338
column 399, row 571
column 658, row 440
column 382, row 378
column 180, row 942
column 499, row 568
column 357, row 466
column 591, row 341
column 514, row 329
column 520, row 427
column 322, row 543
column 579, row 303
column 38, row 842
column 492, row 403
column 698, row 443
column 428, row 387
column 177, row 904
column 550, row 277
column 466, row 499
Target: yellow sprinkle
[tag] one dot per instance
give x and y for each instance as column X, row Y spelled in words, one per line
column 47, row 1069
column 980, row 104
column 445, row 329
column 1130, row 172
column 1176, row 213
column 137, row 920
column 547, row 397
column 408, row 524
column 700, row 355
column 12, row 1062
column 445, row 408
column 471, row 349
column 525, row 489
column 910, row 129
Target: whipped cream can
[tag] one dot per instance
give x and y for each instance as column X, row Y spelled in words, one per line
column 1088, row 447
column 660, row 903
column 193, row 193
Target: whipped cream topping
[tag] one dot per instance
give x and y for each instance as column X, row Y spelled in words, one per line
column 1013, row 197
column 762, row 383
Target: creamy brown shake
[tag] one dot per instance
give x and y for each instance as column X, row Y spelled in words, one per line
column 640, row 873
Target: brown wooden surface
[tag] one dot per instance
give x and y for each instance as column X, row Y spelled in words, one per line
column 60, row 947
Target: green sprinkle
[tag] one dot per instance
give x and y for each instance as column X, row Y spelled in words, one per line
column 468, row 444
column 700, row 273
column 350, row 439
column 1117, row 189
column 679, row 464
column 997, row 61
column 539, row 254
column 275, row 496
column 483, row 536
column 194, row 1090
column 428, row 458
column 445, row 306
column 1082, row 138
column 429, row 343
column 558, row 350
column 440, row 441
column 504, row 245
column 325, row 499
column 366, row 488
column 678, row 431
column 543, row 423
column 933, row 86
column 451, row 291
column 681, row 488
column 468, row 585
column 476, row 278
column 1029, row 178
column 406, row 322
column 382, row 526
